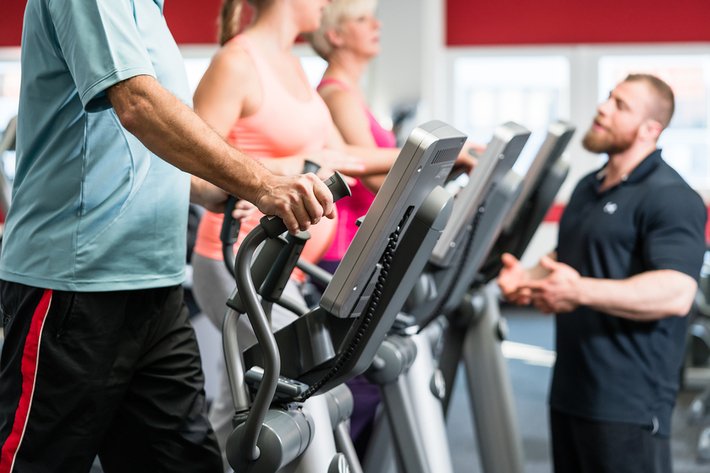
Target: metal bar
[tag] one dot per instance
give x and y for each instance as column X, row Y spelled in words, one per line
column 233, row 360
column 344, row 444
column 401, row 415
column 491, row 393
column 421, row 382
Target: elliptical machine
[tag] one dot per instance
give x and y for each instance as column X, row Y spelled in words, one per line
column 473, row 331
column 282, row 418
column 405, row 370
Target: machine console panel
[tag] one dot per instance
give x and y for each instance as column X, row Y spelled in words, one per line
column 424, row 163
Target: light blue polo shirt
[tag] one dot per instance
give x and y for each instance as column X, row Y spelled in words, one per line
column 93, row 209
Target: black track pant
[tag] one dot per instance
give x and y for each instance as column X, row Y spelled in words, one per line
column 586, row 446
column 116, row 374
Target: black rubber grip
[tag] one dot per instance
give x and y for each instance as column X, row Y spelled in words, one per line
column 338, row 187
column 230, row 226
column 310, row 166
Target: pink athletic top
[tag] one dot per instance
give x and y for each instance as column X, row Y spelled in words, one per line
column 352, row 208
column 282, row 126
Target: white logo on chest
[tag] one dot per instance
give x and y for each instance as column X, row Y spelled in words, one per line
column 610, row 208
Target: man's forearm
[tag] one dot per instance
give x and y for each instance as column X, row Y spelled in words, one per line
column 652, row 295
column 175, row 133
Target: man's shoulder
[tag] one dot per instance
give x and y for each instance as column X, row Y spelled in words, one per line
column 666, row 193
column 666, row 183
column 664, row 174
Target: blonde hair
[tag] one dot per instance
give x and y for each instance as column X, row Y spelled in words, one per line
column 230, row 15
column 335, row 12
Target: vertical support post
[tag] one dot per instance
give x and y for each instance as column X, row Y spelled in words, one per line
column 321, row 450
column 401, row 416
column 490, row 391
column 427, row 406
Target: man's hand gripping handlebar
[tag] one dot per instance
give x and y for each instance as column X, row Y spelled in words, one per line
column 231, row 226
column 270, row 227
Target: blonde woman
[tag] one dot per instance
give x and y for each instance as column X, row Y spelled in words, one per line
column 348, row 39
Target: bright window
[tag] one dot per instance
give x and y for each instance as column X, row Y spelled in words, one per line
column 685, row 141
column 531, row 91
column 195, row 68
column 9, row 101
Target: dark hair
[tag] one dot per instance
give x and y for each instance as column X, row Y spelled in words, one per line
column 230, row 17
column 228, row 21
column 665, row 106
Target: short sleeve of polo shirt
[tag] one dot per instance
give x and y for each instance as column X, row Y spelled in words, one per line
column 674, row 230
column 100, row 43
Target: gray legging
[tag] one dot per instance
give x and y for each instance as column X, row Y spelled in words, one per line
column 212, row 286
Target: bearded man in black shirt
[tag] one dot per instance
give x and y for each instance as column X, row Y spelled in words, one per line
column 622, row 278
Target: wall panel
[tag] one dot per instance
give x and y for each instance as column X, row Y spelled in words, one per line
column 509, row 22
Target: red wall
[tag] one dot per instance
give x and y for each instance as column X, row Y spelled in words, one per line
column 476, row 22
column 191, row 21
column 11, row 13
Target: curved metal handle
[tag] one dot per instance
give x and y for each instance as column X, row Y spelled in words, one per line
column 272, row 359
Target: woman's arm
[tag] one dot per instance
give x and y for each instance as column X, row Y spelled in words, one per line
column 354, row 126
column 348, row 115
column 377, row 161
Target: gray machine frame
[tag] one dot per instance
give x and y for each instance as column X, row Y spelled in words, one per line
column 410, row 383
column 389, row 250
column 476, row 330
column 542, row 182
column 406, row 373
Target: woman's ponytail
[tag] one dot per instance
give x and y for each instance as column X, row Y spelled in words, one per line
column 229, row 17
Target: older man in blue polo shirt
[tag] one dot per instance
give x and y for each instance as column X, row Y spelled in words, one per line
column 99, row 357
column 624, row 275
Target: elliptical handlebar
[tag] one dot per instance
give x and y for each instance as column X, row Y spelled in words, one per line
column 229, row 233
column 310, row 166
column 274, row 226
column 269, row 227
column 230, row 226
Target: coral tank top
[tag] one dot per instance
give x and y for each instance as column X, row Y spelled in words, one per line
column 352, row 208
column 282, row 126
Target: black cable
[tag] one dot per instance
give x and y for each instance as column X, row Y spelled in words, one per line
column 346, row 355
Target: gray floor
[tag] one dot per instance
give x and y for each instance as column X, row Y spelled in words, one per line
column 530, row 385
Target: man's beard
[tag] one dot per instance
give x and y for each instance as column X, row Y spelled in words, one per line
column 608, row 142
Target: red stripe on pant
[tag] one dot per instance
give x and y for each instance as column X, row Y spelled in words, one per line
column 30, row 357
